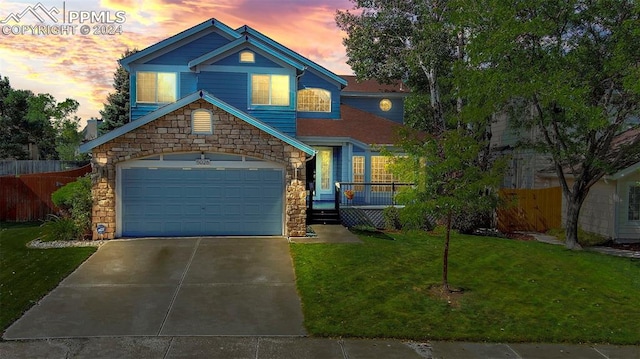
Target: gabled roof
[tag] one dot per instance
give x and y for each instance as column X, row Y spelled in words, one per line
column 211, row 23
column 186, row 101
column 288, row 52
column 356, row 124
column 256, row 38
column 372, row 86
column 239, row 43
column 627, row 141
column 625, row 172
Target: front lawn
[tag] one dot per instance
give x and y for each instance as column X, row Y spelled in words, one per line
column 514, row 291
column 26, row 275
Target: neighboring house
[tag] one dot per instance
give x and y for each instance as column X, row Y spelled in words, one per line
column 612, row 207
column 524, row 164
column 229, row 130
column 90, row 131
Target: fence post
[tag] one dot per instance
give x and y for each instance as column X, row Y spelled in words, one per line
column 337, row 196
column 393, row 193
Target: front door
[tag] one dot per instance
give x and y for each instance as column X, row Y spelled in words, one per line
column 324, row 174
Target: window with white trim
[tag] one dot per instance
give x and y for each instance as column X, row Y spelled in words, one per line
column 380, row 173
column 314, row 100
column 270, row 90
column 247, row 57
column 634, row 203
column 156, row 87
column 357, row 162
column 201, row 122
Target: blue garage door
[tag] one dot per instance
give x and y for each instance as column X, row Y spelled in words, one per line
column 201, row 202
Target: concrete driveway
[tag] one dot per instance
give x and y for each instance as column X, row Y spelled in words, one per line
column 173, row 287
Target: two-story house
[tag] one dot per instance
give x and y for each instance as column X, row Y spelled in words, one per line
column 232, row 133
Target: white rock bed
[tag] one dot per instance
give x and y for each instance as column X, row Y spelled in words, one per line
column 39, row 244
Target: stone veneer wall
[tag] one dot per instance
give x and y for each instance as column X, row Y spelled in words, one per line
column 172, row 133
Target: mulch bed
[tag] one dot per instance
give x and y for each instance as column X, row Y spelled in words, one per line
column 520, row 236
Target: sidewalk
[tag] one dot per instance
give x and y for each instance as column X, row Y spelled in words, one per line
column 604, row 250
column 296, row 348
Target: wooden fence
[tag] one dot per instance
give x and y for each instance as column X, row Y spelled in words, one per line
column 28, row 197
column 534, row 210
column 22, row 167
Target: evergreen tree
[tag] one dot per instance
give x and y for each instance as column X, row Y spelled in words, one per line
column 116, row 111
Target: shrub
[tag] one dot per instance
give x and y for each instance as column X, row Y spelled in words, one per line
column 469, row 221
column 61, row 228
column 74, row 201
column 407, row 218
column 391, row 217
column 416, row 218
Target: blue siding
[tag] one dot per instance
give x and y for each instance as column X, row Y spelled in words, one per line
column 190, row 51
column 141, row 110
column 234, row 60
column 230, row 87
column 311, row 80
column 284, row 120
column 337, row 164
column 188, row 84
column 372, row 105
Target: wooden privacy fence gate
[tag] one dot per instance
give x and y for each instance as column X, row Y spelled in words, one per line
column 28, row 197
column 533, row 210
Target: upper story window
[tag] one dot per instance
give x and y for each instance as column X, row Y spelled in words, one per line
column 247, row 56
column 201, row 122
column 314, row 100
column 156, row 87
column 270, row 90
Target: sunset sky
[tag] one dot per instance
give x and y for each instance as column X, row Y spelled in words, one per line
column 81, row 67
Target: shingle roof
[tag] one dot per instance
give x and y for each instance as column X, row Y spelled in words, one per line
column 372, row 86
column 356, row 124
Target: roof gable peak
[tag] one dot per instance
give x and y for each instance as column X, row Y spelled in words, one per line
column 245, row 29
column 206, row 26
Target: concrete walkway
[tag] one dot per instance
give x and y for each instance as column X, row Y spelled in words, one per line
column 604, row 250
column 172, row 287
column 228, row 347
column 328, row 233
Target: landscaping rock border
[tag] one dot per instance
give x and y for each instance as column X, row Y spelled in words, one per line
column 39, row 244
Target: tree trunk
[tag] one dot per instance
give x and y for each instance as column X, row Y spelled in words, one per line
column 445, row 257
column 573, row 214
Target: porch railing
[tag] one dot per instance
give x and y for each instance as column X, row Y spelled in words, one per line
column 350, row 194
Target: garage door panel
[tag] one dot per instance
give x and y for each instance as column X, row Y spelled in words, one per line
column 212, row 211
column 176, row 202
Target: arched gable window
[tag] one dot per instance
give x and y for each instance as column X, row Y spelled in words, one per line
column 314, row 100
column 201, row 122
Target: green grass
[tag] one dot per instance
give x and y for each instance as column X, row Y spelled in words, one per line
column 587, row 239
column 26, row 275
column 515, row 291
